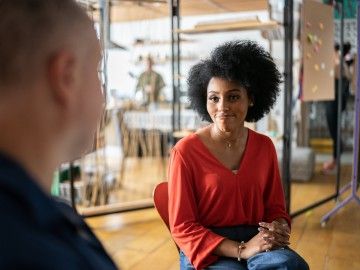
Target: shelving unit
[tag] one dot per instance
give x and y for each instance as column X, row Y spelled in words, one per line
column 167, row 60
column 233, row 26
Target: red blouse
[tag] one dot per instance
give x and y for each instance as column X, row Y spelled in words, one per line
column 204, row 193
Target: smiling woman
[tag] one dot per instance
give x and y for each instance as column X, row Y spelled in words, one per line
column 227, row 103
column 224, row 213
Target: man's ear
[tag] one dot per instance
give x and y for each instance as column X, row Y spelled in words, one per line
column 61, row 74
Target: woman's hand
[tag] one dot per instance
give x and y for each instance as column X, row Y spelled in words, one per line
column 255, row 245
column 276, row 233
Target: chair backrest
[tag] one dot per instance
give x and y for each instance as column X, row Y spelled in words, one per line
column 161, row 199
column 160, row 196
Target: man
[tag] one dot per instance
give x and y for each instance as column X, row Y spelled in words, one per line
column 150, row 84
column 50, row 105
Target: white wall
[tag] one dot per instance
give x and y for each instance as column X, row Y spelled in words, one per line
column 120, row 63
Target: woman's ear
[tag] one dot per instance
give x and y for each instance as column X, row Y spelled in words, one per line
column 252, row 100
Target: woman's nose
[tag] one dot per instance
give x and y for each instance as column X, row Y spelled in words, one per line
column 223, row 105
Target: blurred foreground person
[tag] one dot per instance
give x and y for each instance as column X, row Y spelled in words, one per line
column 50, row 105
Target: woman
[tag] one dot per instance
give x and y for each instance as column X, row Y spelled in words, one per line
column 226, row 204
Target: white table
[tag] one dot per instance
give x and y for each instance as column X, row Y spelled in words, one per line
column 160, row 119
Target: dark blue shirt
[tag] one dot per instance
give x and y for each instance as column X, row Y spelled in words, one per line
column 37, row 232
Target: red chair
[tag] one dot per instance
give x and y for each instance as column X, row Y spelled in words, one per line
column 160, row 196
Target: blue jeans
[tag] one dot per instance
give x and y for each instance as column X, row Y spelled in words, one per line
column 279, row 259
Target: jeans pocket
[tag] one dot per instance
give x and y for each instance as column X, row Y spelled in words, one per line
column 184, row 262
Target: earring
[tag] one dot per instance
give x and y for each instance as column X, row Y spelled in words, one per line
column 251, row 104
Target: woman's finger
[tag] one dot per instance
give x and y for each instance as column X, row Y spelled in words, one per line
column 275, row 225
column 266, row 225
column 277, row 243
column 268, row 233
column 281, row 238
column 281, row 232
column 271, row 237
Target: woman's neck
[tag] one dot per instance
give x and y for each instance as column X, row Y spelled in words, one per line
column 232, row 139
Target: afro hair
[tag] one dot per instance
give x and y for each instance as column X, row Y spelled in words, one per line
column 243, row 62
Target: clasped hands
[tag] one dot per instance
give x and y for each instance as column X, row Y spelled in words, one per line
column 272, row 235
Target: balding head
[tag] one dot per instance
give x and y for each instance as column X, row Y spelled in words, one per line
column 49, row 84
column 31, row 30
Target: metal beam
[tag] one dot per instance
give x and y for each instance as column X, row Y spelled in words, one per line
column 339, row 98
column 175, row 64
column 288, row 93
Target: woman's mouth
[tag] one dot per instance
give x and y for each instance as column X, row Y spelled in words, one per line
column 225, row 116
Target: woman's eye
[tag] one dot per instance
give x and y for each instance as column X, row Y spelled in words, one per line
column 214, row 99
column 234, row 97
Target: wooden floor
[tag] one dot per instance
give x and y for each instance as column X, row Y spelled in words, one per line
column 139, row 240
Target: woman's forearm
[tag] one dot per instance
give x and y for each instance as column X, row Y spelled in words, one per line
column 227, row 248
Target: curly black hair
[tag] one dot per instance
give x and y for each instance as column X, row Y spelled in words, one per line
column 243, row 62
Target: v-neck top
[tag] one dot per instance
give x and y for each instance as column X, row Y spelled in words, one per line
column 206, row 149
column 204, row 193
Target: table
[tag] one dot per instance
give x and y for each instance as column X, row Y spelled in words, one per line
column 161, row 120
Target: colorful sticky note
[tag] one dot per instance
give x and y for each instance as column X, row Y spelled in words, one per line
column 322, row 66
column 308, row 55
column 308, row 24
column 316, row 48
column 321, row 26
column 316, row 67
column 331, row 73
column 314, row 88
column 310, row 38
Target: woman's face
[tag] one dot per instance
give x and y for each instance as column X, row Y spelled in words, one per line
column 227, row 104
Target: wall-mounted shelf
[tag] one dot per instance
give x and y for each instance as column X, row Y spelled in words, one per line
column 167, row 60
column 233, row 26
column 148, row 42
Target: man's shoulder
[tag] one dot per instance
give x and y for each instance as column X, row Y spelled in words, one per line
column 25, row 244
column 48, row 242
column 16, row 221
column 28, row 249
column 18, row 224
column 12, row 208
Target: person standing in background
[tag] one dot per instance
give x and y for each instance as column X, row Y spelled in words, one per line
column 331, row 107
column 150, row 83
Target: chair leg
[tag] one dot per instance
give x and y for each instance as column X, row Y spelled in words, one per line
column 149, row 142
column 120, row 182
column 142, row 143
column 164, row 153
column 95, row 191
column 157, row 143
